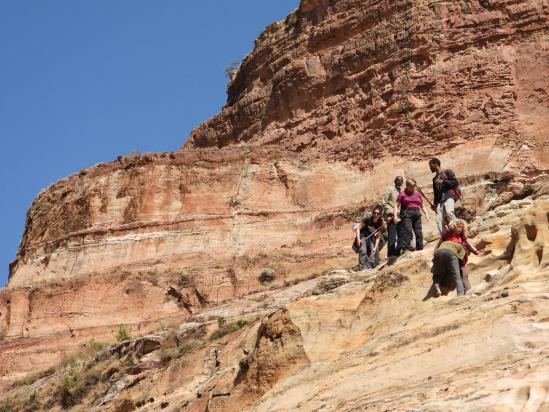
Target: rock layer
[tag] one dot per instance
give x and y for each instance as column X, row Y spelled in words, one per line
column 363, row 80
column 331, row 104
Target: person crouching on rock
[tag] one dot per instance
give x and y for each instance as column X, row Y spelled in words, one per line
column 410, row 204
column 450, row 257
column 368, row 238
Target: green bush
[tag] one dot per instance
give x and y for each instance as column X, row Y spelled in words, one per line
column 123, row 334
column 9, row 405
column 26, row 380
column 96, row 346
column 227, row 329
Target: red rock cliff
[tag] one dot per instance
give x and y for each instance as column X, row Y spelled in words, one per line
column 330, row 105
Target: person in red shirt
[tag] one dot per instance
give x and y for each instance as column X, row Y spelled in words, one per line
column 457, row 233
column 410, row 204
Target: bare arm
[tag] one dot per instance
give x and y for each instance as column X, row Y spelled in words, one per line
column 438, row 244
column 473, row 249
column 395, row 211
column 358, row 228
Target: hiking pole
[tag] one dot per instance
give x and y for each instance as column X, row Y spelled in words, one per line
column 373, row 233
column 366, row 238
column 425, row 197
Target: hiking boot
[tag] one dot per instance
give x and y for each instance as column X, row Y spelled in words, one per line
column 438, row 292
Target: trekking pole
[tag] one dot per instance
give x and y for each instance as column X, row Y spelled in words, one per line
column 373, row 233
column 425, row 197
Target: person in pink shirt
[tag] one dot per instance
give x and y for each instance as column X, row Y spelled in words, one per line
column 410, row 204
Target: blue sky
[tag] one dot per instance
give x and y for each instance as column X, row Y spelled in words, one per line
column 82, row 82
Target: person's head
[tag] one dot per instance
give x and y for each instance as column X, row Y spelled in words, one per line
column 458, row 227
column 376, row 212
column 434, row 165
column 410, row 185
column 399, row 180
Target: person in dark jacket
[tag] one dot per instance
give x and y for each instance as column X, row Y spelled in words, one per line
column 368, row 238
column 446, row 193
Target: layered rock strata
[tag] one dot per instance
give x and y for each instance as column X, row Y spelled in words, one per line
column 328, row 108
column 373, row 340
column 362, row 80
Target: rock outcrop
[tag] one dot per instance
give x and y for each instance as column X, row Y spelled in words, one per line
column 377, row 340
column 330, row 105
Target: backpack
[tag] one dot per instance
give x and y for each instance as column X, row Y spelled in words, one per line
column 456, row 190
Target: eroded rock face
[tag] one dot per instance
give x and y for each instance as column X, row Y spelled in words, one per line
column 330, row 106
column 364, row 80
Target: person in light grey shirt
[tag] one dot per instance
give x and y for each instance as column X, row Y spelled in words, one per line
column 393, row 228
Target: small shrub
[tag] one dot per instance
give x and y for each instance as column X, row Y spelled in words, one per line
column 231, row 69
column 185, row 280
column 228, row 328
column 9, row 405
column 221, row 321
column 26, row 380
column 291, row 21
column 96, row 346
column 267, row 276
column 168, row 354
column 186, row 348
column 123, row 335
column 75, row 384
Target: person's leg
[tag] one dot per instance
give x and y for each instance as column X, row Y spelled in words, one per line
column 376, row 255
column 398, row 247
column 440, row 220
column 370, row 243
column 448, row 209
column 436, row 270
column 407, row 231
column 418, row 230
column 391, row 238
column 455, row 273
column 465, row 279
column 363, row 255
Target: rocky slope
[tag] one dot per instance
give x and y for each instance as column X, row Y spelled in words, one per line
column 330, row 105
column 373, row 340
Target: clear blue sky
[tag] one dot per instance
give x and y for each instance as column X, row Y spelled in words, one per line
column 82, row 82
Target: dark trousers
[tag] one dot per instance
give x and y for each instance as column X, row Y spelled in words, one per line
column 364, row 251
column 393, row 238
column 411, row 225
column 446, row 271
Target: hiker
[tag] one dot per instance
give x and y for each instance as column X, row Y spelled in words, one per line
column 368, row 240
column 457, row 232
column 450, row 257
column 446, row 192
column 410, row 204
column 393, row 227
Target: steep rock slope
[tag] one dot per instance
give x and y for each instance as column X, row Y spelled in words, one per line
column 371, row 340
column 331, row 104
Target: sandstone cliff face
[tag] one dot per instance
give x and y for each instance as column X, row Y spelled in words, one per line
column 331, row 104
column 364, row 80
column 373, row 340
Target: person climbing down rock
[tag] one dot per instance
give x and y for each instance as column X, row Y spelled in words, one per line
column 410, row 204
column 446, row 192
column 393, row 227
column 449, row 259
column 368, row 241
column 457, row 232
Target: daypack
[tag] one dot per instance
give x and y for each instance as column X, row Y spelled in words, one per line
column 456, row 190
